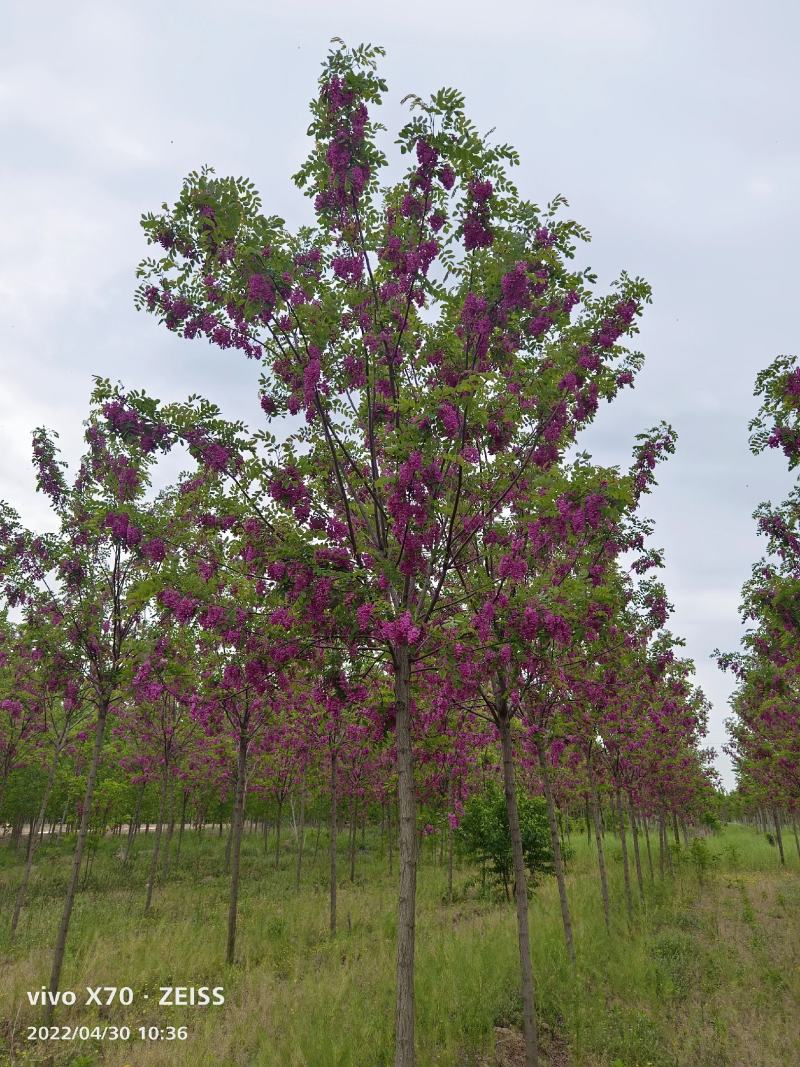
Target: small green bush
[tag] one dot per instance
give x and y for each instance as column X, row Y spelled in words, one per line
column 484, row 835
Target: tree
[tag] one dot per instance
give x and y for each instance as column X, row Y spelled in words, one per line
column 426, row 334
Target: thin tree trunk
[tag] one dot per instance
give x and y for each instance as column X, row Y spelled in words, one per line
column 449, row 863
column 166, row 857
column 555, row 842
column 80, row 844
column 601, row 858
column 162, row 803
column 796, row 838
column 26, row 874
column 649, row 851
column 675, row 829
column 407, row 896
column 278, row 834
column 778, row 835
column 588, row 824
column 353, row 815
column 520, row 895
column 389, row 837
column 229, row 836
column 184, row 798
column 665, row 855
column 333, row 844
column 301, row 837
column 236, row 845
column 636, row 854
column 316, row 840
column 626, row 870
column 33, row 827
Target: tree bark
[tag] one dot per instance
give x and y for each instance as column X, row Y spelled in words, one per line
column 26, row 874
column 236, row 845
column 353, row 815
column 184, row 798
column 626, row 870
column 301, row 837
column 520, row 896
column 649, row 851
column 601, row 858
column 333, row 841
column 162, row 803
column 636, row 853
column 278, row 834
column 406, row 912
column 558, row 860
column 80, row 844
column 389, row 838
column 166, row 852
column 778, row 835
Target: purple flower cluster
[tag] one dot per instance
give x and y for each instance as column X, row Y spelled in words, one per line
column 477, row 231
column 122, row 529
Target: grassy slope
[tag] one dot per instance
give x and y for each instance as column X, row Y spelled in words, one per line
column 708, row 976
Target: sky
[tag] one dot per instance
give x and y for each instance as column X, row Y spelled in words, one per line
column 672, row 129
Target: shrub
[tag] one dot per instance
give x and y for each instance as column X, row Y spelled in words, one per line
column 485, row 836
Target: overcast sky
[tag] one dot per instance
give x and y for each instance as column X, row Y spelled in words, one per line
column 671, row 128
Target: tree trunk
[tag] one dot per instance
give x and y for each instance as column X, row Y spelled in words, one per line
column 80, row 844
column 229, row 836
column 601, row 858
column 353, row 815
column 449, row 863
column 389, row 837
column 316, row 840
column 301, row 837
column 636, row 854
column 333, row 842
column 184, row 798
column 665, row 855
column 555, row 842
column 162, row 803
column 166, row 857
column 626, row 870
column 778, row 835
column 406, row 911
column 520, row 896
column 26, row 874
column 278, row 834
column 649, row 851
column 236, row 845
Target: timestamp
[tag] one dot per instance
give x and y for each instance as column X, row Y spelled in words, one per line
column 162, row 1033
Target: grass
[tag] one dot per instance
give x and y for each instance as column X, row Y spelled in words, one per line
column 707, row 974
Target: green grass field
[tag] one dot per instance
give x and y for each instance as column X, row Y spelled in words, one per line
column 708, row 974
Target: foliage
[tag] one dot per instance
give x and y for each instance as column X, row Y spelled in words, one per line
column 485, row 836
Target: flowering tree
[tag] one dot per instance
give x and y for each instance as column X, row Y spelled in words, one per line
column 765, row 727
column 48, row 692
column 427, row 334
column 90, row 582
